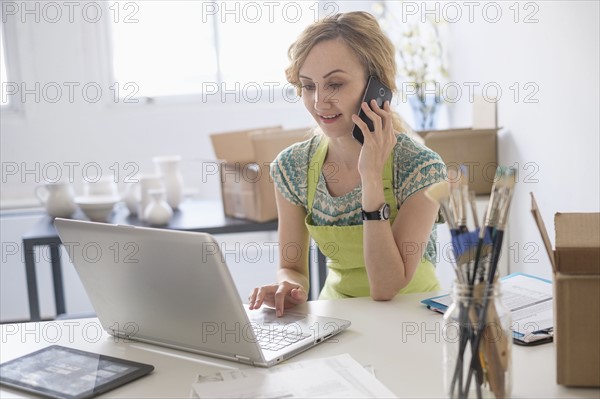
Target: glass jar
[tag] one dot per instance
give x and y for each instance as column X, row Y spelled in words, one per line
column 488, row 374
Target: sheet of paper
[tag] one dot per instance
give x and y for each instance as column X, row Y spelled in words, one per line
column 530, row 302
column 334, row 377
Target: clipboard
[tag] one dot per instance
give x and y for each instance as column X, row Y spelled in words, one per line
column 529, row 329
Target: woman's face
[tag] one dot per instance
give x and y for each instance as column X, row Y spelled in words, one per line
column 333, row 81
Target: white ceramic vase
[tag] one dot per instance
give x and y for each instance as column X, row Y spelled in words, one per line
column 168, row 168
column 147, row 183
column 58, row 199
column 132, row 197
column 157, row 212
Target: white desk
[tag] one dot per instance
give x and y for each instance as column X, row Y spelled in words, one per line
column 401, row 339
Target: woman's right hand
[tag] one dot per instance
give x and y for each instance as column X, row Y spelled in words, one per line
column 280, row 296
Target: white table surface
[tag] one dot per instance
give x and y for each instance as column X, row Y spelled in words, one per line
column 401, row 339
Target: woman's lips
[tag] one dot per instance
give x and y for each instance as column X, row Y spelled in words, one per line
column 329, row 118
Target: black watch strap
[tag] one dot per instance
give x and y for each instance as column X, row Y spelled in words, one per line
column 382, row 213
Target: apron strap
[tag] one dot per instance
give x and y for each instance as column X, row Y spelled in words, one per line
column 314, row 171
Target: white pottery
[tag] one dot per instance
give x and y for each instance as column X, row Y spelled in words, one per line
column 98, row 208
column 157, row 212
column 147, row 183
column 132, row 197
column 105, row 186
column 58, row 199
column 168, row 167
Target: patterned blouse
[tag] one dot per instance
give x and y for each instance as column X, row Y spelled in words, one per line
column 415, row 167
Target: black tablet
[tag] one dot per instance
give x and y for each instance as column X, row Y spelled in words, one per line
column 59, row 372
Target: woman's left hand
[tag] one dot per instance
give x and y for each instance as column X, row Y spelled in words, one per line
column 379, row 143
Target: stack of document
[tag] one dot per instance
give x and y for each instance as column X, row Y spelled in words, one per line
column 529, row 299
column 333, row 377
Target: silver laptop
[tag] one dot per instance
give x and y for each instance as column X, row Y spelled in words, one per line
column 173, row 288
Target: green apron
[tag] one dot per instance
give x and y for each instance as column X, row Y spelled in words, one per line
column 343, row 245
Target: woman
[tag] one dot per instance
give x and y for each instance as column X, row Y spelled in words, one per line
column 328, row 185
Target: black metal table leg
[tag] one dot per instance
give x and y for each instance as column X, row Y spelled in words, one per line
column 59, row 294
column 32, row 292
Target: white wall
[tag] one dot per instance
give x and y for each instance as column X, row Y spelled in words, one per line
column 108, row 132
column 555, row 140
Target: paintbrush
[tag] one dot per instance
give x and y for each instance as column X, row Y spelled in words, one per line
column 486, row 234
column 452, row 198
column 473, row 205
column 466, row 241
column 463, row 241
column 481, row 258
column 455, row 200
column 496, row 219
column 440, row 194
column 463, row 193
column 507, row 187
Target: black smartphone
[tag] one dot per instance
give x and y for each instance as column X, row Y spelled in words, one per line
column 375, row 90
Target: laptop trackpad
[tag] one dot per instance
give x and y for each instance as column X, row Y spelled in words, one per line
column 266, row 316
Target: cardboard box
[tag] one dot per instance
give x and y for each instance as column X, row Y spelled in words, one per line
column 576, row 266
column 485, row 113
column 246, row 186
column 474, row 148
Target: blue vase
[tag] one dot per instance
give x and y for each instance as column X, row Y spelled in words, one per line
column 425, row 111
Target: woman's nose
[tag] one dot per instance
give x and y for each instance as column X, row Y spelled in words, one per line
column 323, row 99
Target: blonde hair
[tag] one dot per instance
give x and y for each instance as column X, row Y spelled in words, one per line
column 363, row 35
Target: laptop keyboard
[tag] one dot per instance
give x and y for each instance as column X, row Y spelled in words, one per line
column 276, row 339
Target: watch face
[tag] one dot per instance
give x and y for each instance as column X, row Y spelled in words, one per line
column 382, row 213
column 385, row 212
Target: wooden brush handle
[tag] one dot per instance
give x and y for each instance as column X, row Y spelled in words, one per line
column 493, row 344
column 495, row 350
column 499, row 338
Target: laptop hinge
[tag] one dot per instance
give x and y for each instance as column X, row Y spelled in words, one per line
column 243, row 359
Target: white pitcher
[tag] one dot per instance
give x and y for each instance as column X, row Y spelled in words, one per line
column 58, row 198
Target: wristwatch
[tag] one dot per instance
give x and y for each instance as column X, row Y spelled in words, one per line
column 382, row 213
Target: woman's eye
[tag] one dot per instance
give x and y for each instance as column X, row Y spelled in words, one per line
column 308, row 87
column 335, row 85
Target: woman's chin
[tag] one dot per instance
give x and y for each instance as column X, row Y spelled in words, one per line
column 335, row 131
